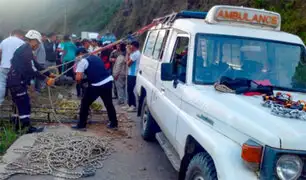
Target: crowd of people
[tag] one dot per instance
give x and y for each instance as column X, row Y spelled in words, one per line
column 109, row 74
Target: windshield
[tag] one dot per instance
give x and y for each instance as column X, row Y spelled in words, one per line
column 255, row 59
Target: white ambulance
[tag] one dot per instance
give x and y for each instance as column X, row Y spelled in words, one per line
column 208, row 134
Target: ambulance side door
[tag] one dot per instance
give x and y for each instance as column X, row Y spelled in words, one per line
column 168, row 96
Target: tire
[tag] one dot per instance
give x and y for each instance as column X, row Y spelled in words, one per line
column 148, row 125
column 201, row 167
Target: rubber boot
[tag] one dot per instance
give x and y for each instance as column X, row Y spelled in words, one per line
column 15, row 122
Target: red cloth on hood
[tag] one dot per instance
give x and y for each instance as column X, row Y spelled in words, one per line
column 260, row 82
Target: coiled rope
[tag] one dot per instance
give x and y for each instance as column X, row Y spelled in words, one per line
column 223, row 88
column 63, row 155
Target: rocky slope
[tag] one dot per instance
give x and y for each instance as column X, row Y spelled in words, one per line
column 122, row 16
column 143, row 11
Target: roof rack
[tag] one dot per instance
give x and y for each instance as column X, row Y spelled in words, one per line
column 169, row 19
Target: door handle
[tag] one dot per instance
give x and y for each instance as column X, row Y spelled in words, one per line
column 162, row 89
column 140, row 71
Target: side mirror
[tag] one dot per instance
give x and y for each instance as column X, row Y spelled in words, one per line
column 167, row 72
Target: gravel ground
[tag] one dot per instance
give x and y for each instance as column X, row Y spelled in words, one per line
column 133, row 159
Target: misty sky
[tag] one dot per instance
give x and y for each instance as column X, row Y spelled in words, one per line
column 48, row 15
column 18, row 7
column 10, row 7
column 29, row 13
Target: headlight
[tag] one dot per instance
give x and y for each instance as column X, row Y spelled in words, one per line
column 289, row 167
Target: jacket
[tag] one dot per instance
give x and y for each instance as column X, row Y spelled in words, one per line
column 24, row 68
column 119, row 66
column 50, row 48
column 95, row 71
column 40, row 54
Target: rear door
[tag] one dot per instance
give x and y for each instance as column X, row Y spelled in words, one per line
column 148, row 64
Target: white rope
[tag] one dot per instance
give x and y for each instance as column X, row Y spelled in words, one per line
column 60, row 155
column 51, row 102
column 63, row 73
column 54, row 67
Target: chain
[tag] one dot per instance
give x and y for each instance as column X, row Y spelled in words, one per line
column 282, row 111
column 60, row 155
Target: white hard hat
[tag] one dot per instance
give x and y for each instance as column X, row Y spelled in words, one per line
column 33, row 34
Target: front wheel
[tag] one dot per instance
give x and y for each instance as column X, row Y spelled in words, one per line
column 201, row 167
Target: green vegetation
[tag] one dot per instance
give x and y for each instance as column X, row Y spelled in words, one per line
column 7, row 136
column 292, row 12
column 293, row 21
column 96, row 15
column 93, row 16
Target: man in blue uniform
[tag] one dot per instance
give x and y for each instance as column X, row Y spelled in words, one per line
column 23, row 69
column 99, row 85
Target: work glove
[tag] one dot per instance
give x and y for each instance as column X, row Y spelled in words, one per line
column 50, row 81
column 78, row 77
column 52, row 75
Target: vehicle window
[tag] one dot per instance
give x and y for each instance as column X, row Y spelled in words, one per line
column 148, row 51
column 160, row 44
column 254, row 59
column 163, row 45
column 179, row 58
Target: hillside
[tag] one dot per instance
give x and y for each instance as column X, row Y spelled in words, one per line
column 49, row 15
column 143, row 11
column 98, row 15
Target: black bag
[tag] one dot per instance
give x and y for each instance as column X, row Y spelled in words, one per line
column 243, row 85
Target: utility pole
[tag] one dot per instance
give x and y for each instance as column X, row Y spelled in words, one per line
column 65, row 20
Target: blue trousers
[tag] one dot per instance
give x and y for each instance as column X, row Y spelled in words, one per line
column 22, row 101
column 131, row 82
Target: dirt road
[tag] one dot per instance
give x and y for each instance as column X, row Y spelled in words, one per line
column 133, row 159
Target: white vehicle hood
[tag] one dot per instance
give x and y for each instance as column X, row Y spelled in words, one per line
column 247, row 115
